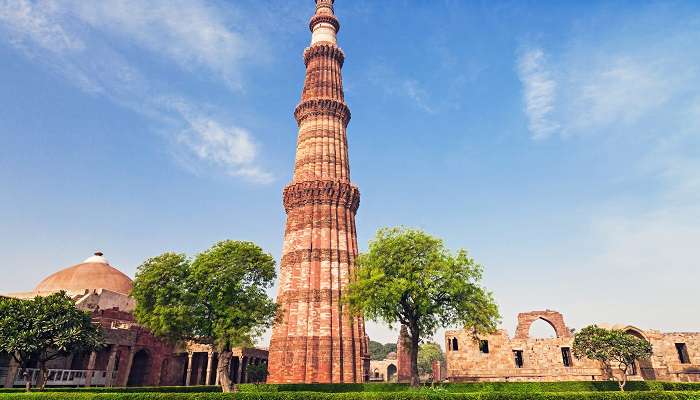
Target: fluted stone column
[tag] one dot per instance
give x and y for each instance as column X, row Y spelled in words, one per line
column 90, row 369
column 188, row 376
column 317, row 339
column 210, row 363
column 127, row 370
column 109, row 377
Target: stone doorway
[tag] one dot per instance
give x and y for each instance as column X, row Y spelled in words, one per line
column 139, row 369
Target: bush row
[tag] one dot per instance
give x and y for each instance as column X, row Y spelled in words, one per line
column 418, row 395
column 475, row 387
column 519, row 387
column 148, row 389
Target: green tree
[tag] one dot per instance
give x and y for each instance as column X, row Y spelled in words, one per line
column 218, row 298
column 427, row 353
column 379, row 351
column 257, row 373
column 409, row 277
column 613, row 348
column 45, row 328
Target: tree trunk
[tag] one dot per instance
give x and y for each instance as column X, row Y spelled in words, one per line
column 27, row 380
column 622, row 381
column 43, row 374
column 222, row 370
column 415, row 339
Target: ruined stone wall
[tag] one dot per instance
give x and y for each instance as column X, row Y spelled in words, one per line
column 542, row 359
column 665, row 363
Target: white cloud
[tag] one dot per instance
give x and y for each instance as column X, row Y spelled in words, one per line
column 229, row 147
column 539, row 92
column 418, row 94
column 68, row 37
column 381, row 75
column 190, row 32
column 23, row 19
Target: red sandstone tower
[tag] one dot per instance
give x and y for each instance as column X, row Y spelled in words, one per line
column 317, row 339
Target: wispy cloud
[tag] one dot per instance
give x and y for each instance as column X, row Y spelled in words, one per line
column 395, row 85
column 73, row 38
column 191, row 33
column 539, row 92
column 229, row 147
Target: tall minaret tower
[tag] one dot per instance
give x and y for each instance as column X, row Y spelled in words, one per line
column 317, row 340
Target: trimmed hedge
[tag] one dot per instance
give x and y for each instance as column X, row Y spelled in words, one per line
column 475, row 387
column 417, row 395
column 147, row 389
column 518, row 387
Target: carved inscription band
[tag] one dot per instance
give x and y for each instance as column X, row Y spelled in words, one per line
column 321, row 192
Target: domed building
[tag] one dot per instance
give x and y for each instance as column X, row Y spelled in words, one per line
column 133, row 356
column 95, row 272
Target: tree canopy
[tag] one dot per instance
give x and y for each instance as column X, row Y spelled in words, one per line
column 427, row 353
column 217, row 298
column 408, row 277
column 378, row 351
column 613, row 348
column 44, row 328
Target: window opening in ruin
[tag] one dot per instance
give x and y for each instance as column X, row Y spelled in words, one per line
column 682, row 350
column 632, row 370
column 484, row 346
column 518, row 356
column 455, row 345
column 566, row 356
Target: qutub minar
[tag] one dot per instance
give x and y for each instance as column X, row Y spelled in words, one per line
column 317, row 339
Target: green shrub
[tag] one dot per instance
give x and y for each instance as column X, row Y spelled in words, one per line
column 148, row 389
column 481, row 387
column 406, row 395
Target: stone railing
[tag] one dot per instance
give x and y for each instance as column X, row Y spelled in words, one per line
column 65, row 377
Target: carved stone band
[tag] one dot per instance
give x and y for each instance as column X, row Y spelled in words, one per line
column 318, row 107
column 329, row 19
column 332, row 255
column 324, row 50
column 321, row 192
column 309, row 295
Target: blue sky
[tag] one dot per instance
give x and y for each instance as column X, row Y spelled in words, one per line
column 559, row 142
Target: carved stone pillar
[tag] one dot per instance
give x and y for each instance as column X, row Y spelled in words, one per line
column 188, row 377
column 241, row 365
column 210, row 363
column 90, row 369
column 109, row 377
column 127, row 369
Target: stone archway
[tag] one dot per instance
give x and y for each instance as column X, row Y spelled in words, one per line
column 553, row 318
column 643, row 367
column 390, row 372
column 140, row 368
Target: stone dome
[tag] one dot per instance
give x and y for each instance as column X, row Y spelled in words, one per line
column 93, row 273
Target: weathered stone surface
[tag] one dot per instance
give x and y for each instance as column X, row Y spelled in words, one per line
column 316, row 339
column 543, row 359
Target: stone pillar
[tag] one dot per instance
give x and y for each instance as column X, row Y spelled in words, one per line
column 188, row 377
column 127, row 369
column 216, row 379
column 403, row 356
column 90, row 369
column 11, row 373
column 109, row 380
column 210, row 363
column 239, row 373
